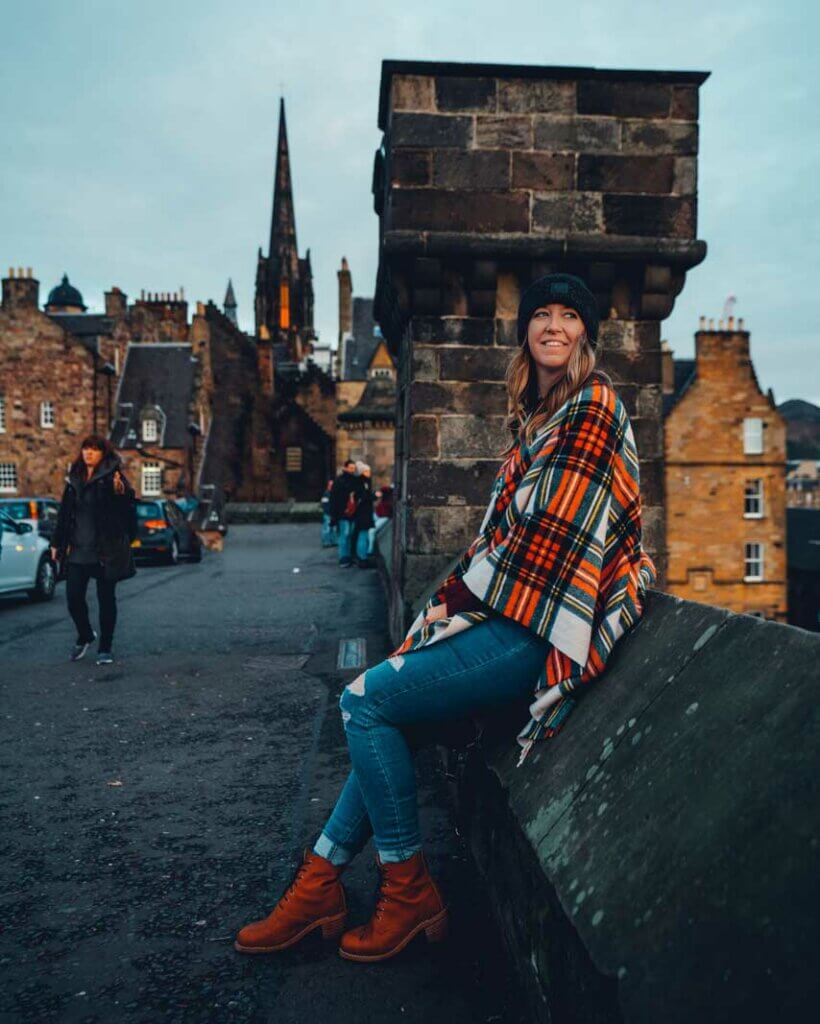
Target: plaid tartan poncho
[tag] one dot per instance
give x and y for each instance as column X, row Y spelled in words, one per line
column 559, row 550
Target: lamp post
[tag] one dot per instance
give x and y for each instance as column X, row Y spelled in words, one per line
column 195, row 432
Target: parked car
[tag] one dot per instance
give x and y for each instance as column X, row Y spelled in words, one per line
column 164, row 533
column 40, row 513
column 25, row 562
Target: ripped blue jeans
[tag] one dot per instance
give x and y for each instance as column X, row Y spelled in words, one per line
column 488, row 665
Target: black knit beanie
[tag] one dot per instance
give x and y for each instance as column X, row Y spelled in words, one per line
column 567, row 289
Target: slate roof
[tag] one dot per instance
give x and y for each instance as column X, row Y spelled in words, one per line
column 803, row 539
column 685, row 374
column 378, row 402
column 86, row 327
column 159, row 375
column 360, row 347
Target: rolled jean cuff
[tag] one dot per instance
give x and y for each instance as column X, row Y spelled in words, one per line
column 395, row 856
column 334, row 852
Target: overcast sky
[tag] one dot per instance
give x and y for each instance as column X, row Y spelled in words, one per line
column 138, row 141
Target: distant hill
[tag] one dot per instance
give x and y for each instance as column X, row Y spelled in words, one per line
column 802, row 428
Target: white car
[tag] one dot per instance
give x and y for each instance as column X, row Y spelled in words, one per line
column 25, row 562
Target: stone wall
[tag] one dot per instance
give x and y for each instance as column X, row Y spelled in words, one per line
column 488, row 177
column 656, row 860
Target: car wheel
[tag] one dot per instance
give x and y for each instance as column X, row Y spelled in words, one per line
column 173, row 552
column 45, row 581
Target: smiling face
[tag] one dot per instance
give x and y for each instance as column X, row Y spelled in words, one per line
column 553, row 334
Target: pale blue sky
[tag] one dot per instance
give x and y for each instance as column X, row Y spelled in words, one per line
column 138, row 141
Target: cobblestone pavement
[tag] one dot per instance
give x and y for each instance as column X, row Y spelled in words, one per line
column 150, row 808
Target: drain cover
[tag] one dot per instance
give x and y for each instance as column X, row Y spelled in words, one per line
column 352, row 653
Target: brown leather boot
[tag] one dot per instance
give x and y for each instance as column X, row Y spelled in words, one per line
column 408, row 902
column 314, row 899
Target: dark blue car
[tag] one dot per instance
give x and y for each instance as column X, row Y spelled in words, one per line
column 164, row 533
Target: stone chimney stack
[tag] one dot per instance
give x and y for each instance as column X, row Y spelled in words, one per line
column 21, row 290
column 489, row 176
column 719, row 353
column 345, row 300
column 116, row 302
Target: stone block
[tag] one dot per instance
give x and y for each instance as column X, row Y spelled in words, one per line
column 484, row 363
column 474, row 169
column 449, row 330
column 411, row 167
column 503, row 132
column 458, row 397
column 544, row 172
column 438, row 131
column 528, row 96
column 685, row 103
column 465, row 93
column 584, row 134
column 624, row 99
column 648, row 436
column 412, row 92
column 653, row 216
column 560, row 213
column 435, row 482
column 478, row 211
column 631, row 369
column 482, row 437
column 506, row 331
column 650, row 401
column 686, row 176
column 659, row 137
column 424, row 437
column 602, row 173
column 651, row 475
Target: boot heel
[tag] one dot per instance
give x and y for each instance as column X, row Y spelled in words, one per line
column 333, row 929
column 438, row 931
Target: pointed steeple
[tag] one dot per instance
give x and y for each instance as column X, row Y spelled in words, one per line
column 283, row 222
column 229, row 305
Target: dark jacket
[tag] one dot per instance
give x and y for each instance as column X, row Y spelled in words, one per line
column 115, row 520
column 344, row 485
column 364, row 510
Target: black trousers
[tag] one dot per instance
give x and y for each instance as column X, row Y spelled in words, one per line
column 77, row 577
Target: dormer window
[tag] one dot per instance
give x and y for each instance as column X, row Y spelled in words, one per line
column 150, row 430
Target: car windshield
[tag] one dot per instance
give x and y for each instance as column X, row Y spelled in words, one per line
column 16, row 509
column 149, row 510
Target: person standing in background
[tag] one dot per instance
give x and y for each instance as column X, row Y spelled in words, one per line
column 364, row 520
column 330, row 534
column 344, row 497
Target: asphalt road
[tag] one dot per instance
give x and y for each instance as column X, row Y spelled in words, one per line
column 150, row 808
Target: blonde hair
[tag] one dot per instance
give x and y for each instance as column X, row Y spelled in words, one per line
column 526, row 413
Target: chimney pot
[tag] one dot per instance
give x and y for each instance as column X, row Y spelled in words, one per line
column 731, row 323
column 29, row 272
column 181, row 294
column 11, row 271
column 720, row 324
column 20, row 272
column 711, row 323
column 740, row 324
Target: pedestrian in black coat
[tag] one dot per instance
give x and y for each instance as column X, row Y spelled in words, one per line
column 363, row 521
column 92, row 539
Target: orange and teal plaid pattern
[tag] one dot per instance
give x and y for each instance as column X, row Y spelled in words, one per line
column 559, row 549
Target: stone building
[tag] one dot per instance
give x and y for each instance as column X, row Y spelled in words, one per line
column 725, row 468
column 365, row 386
column 487, row 177
column 56, row 382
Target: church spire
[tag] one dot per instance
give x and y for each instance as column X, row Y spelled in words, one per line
column 229, row 305
column 283, row 223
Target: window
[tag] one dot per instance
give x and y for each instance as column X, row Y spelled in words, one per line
column 382, row 371
column 753, row 562
column 2, row 415
column 46, row 414
column 752, row 436
column 284, row 305
column 377, row 331
column 753, row 499
column 8, row 478
column 293, row 460
column 149, row 429
column 151, row 478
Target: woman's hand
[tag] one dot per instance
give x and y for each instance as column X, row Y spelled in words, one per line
column 53, row 552
column 119, row 483
column 439, row 612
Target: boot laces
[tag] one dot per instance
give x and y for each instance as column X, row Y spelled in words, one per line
column 295, row 883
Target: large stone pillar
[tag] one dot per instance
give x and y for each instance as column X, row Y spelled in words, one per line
column 489, row 176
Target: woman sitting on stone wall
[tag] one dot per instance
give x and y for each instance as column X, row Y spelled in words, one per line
column 555, row 576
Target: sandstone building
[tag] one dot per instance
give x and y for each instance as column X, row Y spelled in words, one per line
column 725, row 465
column 365, row 386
